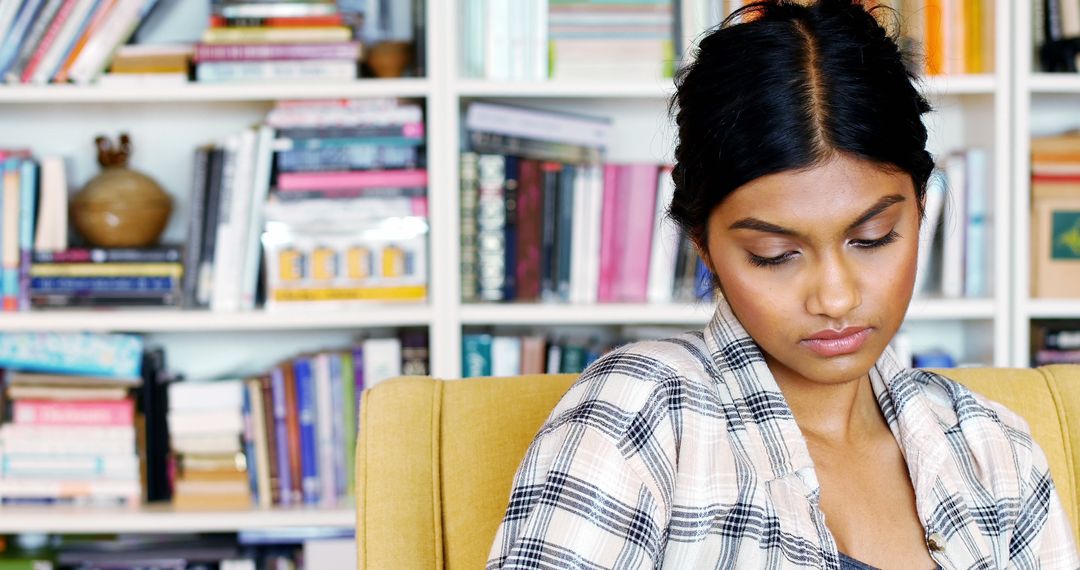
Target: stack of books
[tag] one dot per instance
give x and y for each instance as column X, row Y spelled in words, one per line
column 543, row 218
column 568, row 39
column 106, row 278
column 1055, row 216
column 44, row 41
column 71, row 435
column 205, row 426
column 347, row 218
column 1057, row 343
column 300, row 418
column 277, row 40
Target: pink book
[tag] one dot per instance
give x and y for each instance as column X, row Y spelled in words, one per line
column 608, row 231
column 412, row 178
column 637, row 198
column 48, row 39
column 262, row 52
column 74, row 413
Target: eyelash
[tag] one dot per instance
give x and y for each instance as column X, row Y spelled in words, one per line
column 759, row 261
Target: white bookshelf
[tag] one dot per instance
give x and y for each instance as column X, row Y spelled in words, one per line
column 167, row 123
column 166, row 519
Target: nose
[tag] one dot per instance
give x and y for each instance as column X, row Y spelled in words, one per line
column 834, row 291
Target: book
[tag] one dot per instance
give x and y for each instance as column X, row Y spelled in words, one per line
column 277, row 52
column 89, row 354
column 324, row 69
column 505, row 356
column 52, row 225
column 81, row 413
column 277, row 35
column 411, row 178
column 476, row 355
column 491, row 224
column 382, row 360
column 27, row 215
column 306, row 410
column 468, row 226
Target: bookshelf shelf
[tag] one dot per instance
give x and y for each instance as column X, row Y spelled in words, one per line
column 1050, row 83
column 936, row 85
column 696, row 315
column 165, row 93
column 1053, row 308
column 196, row 321
column 165, row 519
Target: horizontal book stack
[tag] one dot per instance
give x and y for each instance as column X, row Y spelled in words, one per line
column 1058, row 343
column 205, row 425
column 70, row 437
column 544, row 219
column 1055, row 216
column 568, row 39
column 300, row 419
column 347, row 215
column 106, row 278
column 277, row 40
column 43, row 41
column 955, row 237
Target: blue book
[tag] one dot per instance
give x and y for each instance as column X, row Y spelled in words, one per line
column 281, row 431
column 309, row 456
column 82, row 354
column 249, row 447
column 476, row 355
column 101, row 284
column 338, row 422
column 703, row 281
column 27, row 216
column 9, row 51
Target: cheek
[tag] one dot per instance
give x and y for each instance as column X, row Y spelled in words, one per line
column 761, row 299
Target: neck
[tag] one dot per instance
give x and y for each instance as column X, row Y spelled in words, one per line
column 837, row 413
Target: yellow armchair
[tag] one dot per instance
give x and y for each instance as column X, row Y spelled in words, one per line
column 435, row 458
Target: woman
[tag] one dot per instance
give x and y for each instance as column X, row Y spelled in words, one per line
column 786, row 434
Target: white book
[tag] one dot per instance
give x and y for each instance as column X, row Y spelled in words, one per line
column 35, row 487
column 954, row 229
column 518, row 23
column 496, row 49
column 262, row 445
column 208, row 422
column 7, row 16
column 579, row 259
column 977, row 260
column 594, row 213
column 382, row 360
column 211, row 395
column 505, row 356
column 118, row 25
column 538, row 36
column 1070, row 18
column 232, row 226
column 213, row 444
column 52, row 59
column 935, row 203
column 539, row 125
column 554, row 358
column 52, row 224
column 252, row 244
column 665, row 244
column 324, row 428
column 337, row 553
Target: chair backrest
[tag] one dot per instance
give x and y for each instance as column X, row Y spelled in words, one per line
column 435, row 459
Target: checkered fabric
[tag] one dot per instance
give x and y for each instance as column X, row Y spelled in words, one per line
column 683, row 453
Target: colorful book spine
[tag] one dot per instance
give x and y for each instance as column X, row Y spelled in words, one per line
column 281, row 435
column 530, row 227
column 73, row 413
column 27, row 215
column 86, row 354
column 510, row 231
column 69, row 466
column 491, row 223
column 638, row 200
column 476, row 355
column 309, row 440
column 278, row 52
column 249, row 447
column 172, row 270
column 412, row 178
column 348, row 400
column 120, row 255
column 470, row 291
column 269, row 35
column 361, row 156
column 269, row 427
column 101, row 284
column 9, row 48
column 9, row 235
column 609, row 235
column 564, row 232
column 337, row 425
column 550, row 175
column 324, row 427
column 223, row 71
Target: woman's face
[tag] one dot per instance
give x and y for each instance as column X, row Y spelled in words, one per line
column 819, row 265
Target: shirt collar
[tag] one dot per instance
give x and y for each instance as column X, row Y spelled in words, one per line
column 769, row 424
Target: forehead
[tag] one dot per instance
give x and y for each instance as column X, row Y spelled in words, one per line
column 834, row 192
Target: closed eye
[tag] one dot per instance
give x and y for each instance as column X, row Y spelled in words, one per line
column 876, row 243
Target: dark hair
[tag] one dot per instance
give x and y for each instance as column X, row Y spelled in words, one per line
column 781, row 86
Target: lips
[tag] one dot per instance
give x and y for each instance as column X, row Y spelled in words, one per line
column 830, row 343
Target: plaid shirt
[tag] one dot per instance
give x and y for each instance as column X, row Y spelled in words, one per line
column 683, row 453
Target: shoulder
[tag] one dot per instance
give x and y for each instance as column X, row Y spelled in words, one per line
column 637, row 390
column 987, row 431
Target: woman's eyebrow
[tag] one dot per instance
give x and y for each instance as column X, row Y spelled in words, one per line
column 870, row 213
column 879, row 207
